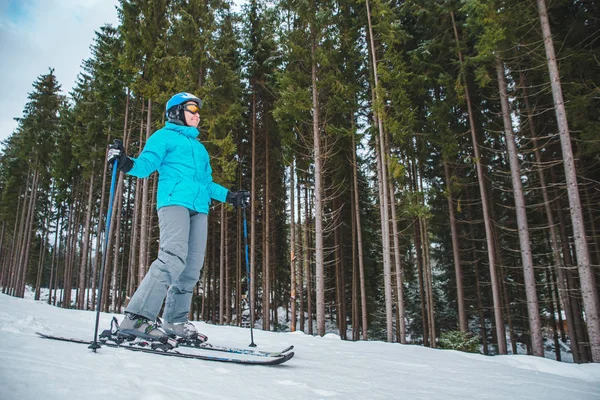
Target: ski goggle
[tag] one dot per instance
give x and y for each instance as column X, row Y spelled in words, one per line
column 193, row 108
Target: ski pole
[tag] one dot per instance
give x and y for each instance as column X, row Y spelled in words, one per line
column 95, row 345
column 252, row 344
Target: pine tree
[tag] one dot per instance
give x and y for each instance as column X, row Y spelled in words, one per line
column 33, row 143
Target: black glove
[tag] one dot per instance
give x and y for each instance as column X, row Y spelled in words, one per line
column 239, row 199
column 116, row 151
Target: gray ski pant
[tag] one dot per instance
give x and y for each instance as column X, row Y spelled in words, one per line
column 183, row 235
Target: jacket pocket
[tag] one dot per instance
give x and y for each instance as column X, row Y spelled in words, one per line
column 173, row 190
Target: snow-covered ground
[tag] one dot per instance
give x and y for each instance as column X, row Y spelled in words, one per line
column 34, row 368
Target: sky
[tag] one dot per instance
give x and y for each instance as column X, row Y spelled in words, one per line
column 36, row 35
column 322, row 367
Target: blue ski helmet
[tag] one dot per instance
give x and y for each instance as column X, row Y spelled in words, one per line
column 174, row 106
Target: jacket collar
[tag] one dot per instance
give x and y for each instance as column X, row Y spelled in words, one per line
column 188, row 131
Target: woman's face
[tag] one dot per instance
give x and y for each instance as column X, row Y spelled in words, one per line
column 192, row 116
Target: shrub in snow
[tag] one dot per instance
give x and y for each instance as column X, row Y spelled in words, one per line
column 461, row 341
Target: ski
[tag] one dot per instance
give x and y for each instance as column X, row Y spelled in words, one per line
column 163, row 351
column 208, row 346
column 235, row 350
column 107, row 336
column 112, row 335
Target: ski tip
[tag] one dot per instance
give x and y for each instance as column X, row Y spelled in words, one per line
column 286, row 357
column 291, row 347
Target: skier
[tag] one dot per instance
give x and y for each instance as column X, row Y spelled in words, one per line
column 185, row 190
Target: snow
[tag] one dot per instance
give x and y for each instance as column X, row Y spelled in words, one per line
column 324, row 367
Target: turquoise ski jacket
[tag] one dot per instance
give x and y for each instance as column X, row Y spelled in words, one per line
column 183, row 164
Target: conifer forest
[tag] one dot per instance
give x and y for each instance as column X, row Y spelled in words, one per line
column 421, row 171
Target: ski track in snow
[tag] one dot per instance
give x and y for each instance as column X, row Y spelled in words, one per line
column 323, row 368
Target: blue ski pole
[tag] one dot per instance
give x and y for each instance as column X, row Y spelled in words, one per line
column 95, row 345
column 252, row 344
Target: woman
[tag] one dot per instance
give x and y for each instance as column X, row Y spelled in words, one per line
column 185, row 190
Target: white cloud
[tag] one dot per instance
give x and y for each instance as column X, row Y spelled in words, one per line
column 40, row 34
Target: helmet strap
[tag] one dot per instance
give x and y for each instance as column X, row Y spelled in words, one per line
column 177, row 113
column 182, row 114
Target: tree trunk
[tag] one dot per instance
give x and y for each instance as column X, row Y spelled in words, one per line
column 550, row 288
column 588, row 285
column 71, row 240
column 8, row 259
column 267, row 241
column 558, row 263
column 86, row 240
column 401, row 330
column 11, row 262
column 339, row 273
column 227, row 273
column 427, row 263
column 42, row 255
column 29, row 233
column 238, row 281
column 505, row 298
column 114, row 283
column 109, row 249
column 578, row 334
column 302, row 252
column 292, row 249
column 131, row 271
column 57, row 253
column 381, row 161
column 355, row 289
column 212, row 280
column 143, row 252
column 458, row 273
column 318, row 194
column 99, row 250
column 480, row 309
column 556, row 297
column 3, row 264
column 359, row 244
column 428, row 281
column 252, row 288
column 222, row 267
column 307, row 259
column 594, row 247
column 18, row 239
column 418, row 247
column 53, row 274
column 533, row 312
column 19, row 281
column 486, row 215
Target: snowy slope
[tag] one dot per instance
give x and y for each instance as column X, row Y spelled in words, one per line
column 34, row 368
